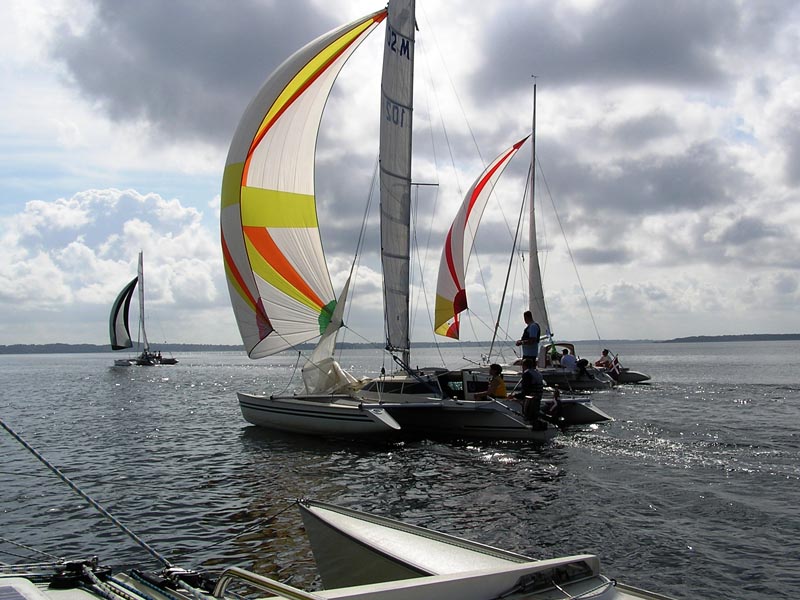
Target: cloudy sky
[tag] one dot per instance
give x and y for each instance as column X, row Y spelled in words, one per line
column 668, row 136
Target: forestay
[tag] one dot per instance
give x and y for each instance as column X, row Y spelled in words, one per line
column 278, row 280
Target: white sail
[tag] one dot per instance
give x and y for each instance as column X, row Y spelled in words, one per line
column 536, row 301
column 397, row 92
column 277, row 276
column 146, row 344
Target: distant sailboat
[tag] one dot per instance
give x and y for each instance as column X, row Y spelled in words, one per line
column 119, row 329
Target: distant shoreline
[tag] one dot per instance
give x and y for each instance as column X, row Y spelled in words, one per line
column 58, row 348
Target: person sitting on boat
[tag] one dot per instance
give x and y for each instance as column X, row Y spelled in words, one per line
column 497, row 385
column 604, row 361
column 552, row 411
column 530, row 394
column 568, row 361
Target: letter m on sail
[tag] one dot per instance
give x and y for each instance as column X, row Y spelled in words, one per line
column 405, row 48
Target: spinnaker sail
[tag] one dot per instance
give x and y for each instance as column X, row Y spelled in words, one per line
column 119, row 329
column 451, row 295
column 277, row 276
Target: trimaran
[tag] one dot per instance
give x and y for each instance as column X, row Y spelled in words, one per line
column 277, row 275
column 119, row 329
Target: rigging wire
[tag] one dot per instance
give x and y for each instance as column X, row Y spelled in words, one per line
column 152, row 551
column 569, row 251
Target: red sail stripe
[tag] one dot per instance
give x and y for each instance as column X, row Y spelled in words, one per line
column 377, row 19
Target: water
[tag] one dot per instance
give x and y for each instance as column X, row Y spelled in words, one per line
column 693, row 491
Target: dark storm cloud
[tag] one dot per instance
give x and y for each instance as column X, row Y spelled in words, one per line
column 188, row 68
column 623, row 41
column 701, row 176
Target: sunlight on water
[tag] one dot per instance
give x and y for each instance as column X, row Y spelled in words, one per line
column 692, row 491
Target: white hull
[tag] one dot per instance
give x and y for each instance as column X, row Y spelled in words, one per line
column 347, row 416
column 593, row 379
column 357, row 549
column 316, row 415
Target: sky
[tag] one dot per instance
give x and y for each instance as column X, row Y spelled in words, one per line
column 668, row 136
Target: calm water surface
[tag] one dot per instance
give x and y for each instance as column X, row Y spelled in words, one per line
column 692, row 491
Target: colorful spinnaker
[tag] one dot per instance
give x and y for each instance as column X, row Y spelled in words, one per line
column 278, row 280
column 451, row 297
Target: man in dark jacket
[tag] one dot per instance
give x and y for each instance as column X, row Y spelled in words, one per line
column 530, row 394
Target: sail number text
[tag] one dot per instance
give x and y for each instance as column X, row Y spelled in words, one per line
column 395, row 113
column 403, row 48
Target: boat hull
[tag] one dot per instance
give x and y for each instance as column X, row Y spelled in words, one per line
column 352, row 548
column 578, row 411
column 572, row 380
column 628, row 376
column 321, row 415
column 466, row 419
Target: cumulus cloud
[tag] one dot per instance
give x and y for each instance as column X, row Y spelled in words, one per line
column 82, row 250
column 666, row 137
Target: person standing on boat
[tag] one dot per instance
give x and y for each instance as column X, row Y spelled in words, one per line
column 530, row 394
column 497, row 385
column 530, row 338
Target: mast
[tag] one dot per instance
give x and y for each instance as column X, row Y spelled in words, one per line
column 535, row 289
column 397, row 93
column 141, row 303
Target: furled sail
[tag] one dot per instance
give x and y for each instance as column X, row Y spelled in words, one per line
column 278, row 280
column 397, row 92
column 536, row 301
column 451, row 297
column 118, row 322
column 142, row 332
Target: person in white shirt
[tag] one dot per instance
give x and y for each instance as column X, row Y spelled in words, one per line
column 568, row 361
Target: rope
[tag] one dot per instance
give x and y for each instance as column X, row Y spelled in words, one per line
column 104, row 590
column 24, row 547
column 85, row 496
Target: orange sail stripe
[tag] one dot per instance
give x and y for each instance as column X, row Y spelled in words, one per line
column 229, row 262
column 297, row 94
column 266, row 246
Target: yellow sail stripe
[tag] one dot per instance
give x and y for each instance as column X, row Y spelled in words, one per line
column 273, row 208
column 234, row 282
column 264, row 270
column 309, row 71
column 231, row 184
column 443, row 312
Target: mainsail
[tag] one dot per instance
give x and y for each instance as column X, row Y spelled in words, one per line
column 451, row 297
column 397, row 91
column 536, row 301
column 277, row 276
column 119, row 330
column 142, row 332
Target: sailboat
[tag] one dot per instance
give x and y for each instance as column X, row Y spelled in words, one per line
column 451, row 295
column 277, row 276
column 119, row 328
